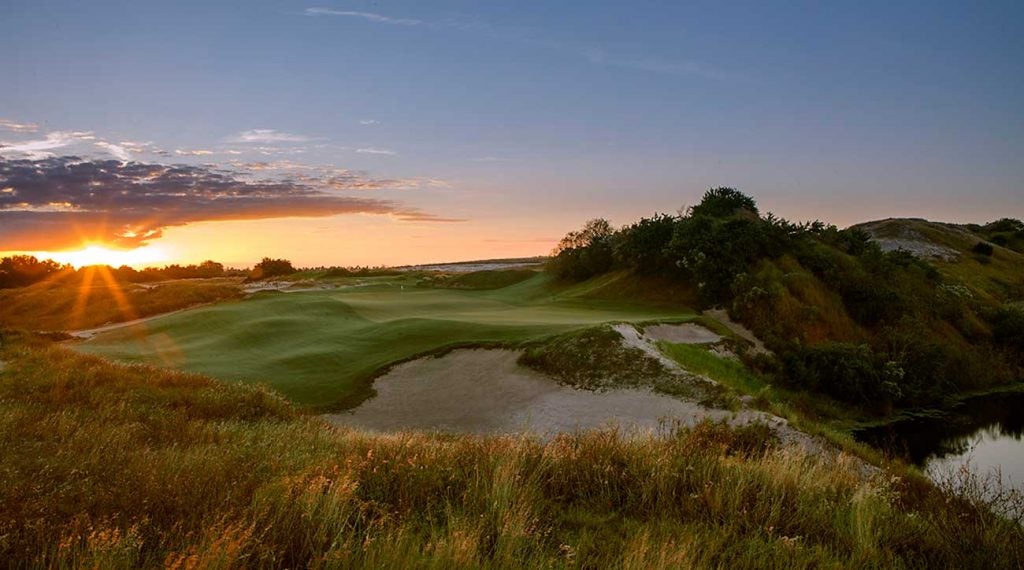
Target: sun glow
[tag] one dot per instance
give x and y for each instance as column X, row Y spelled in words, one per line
column 100, row 255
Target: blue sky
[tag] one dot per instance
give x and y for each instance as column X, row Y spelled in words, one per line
column 524, row 119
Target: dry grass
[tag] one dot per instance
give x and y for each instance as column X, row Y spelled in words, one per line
column 114, row 466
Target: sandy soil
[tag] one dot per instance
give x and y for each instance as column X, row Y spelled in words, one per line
column 486, row 391
column 688, row 333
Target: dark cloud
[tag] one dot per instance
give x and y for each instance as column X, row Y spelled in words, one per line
column 61, row 202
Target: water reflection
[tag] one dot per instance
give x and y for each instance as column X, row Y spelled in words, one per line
column 986, row 433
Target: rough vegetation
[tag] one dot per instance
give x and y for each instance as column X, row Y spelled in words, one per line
column 114, row 466
column 94, row 296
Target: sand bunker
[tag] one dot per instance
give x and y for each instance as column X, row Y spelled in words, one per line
column 688, row 333
column 486, row 391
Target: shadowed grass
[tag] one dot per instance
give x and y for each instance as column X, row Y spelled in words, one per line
column 123, row 466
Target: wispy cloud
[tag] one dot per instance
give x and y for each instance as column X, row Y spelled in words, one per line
column 594, row 54
column 492, row 159
column 192, row 152
column 137, row 146
column 369, row 16
column 264, row 136
column 8, row 125
column 369, row 122
column 116, row 150
column 371, row 150
column 59, row 202
column 40, row 148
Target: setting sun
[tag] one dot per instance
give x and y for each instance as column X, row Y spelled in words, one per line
column 100, row 255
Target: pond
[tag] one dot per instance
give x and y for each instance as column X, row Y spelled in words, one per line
column 984, row 435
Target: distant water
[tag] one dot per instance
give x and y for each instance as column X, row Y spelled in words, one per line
column 986, row 434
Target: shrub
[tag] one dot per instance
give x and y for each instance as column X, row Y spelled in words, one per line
column 643, row 245
column 1008, row 327
column 724, row 202
column 272, row 268
column 844, row 371
column 585, row 253
column 982, row 248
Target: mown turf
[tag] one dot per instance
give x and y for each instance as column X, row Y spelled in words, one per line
column 108, row 466
column 321, row 349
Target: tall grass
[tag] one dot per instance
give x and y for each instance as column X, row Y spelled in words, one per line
column 115, row 466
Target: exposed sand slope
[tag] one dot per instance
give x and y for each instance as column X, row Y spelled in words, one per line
column 486, row 391
column 743, row 332
column 687, row 333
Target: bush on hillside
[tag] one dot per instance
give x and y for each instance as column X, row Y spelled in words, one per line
column 1008, row 327
column 644, row 245
column 271, row 268
column 982, row 248
column 723, row 202
column 847, row 372
column 585, row 253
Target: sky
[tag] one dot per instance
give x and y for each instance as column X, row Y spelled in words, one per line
column 396, row 132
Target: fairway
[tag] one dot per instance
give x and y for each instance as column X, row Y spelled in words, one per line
column 322, row 348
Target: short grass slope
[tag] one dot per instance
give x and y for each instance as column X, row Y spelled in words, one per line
column 110, row 466
column 321, row 349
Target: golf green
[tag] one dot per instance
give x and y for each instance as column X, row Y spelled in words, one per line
column 322, row 348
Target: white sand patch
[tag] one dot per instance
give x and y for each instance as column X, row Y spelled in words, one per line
column 687, row 333
column 739, row 330
column 635, row 339
column 486, row 391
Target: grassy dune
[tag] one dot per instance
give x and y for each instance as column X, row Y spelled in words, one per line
column 111, row 466
column 321, row 349
column 72, row 301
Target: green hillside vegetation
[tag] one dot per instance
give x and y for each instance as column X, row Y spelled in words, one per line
column 111, row 466
column 323, row 348
column 478, row 280
column 879, row 330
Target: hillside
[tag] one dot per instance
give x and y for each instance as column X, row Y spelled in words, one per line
column 995, row 275
column 883, row 316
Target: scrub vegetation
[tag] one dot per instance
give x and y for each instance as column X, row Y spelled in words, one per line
column 115, row 466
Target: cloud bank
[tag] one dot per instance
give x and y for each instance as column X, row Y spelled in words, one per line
column 60, row 202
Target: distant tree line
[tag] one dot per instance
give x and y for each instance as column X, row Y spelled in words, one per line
column 873, row 328
column 25, row 270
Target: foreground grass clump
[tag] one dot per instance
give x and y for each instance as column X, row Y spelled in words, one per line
column 124, row 466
